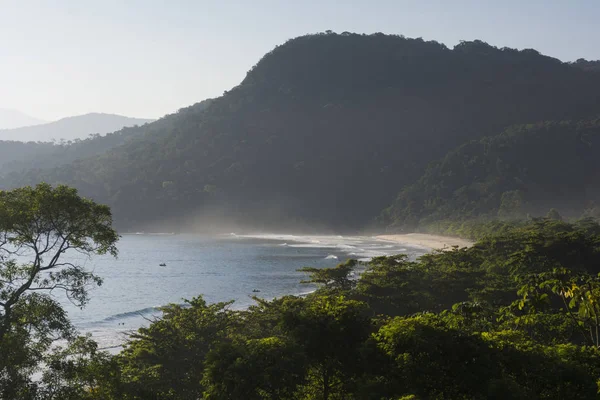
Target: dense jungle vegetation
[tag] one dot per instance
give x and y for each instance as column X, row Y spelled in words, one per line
column 525, row 171
column 17, row 156
column 325, row 129
column 497, row 145
column 515, row 316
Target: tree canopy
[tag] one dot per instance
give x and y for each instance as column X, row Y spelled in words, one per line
column 39, row 227
column 537, row 169
column 512, row 317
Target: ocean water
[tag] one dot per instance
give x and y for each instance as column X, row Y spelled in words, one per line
column 222, row 268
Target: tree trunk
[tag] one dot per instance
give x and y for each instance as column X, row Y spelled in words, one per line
column 326, row 385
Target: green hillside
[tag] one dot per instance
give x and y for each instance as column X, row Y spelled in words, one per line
column 17, row 156
column 326, row 129
column 528, row 169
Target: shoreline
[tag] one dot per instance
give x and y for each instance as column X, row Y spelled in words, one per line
column 111, row 336
column 434, row 242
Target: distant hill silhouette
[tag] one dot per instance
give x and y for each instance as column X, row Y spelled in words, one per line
column 325, row 130
column 78, row 127
column 10, row 119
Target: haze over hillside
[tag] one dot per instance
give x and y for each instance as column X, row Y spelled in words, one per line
column 70, row 128
column 18, row 156
column 10, row 119
column 326, row 129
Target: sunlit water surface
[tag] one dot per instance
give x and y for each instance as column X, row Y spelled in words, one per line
column 228, row 267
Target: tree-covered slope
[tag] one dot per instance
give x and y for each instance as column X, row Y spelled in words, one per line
column 587, row 65
column 327, row 128
column 17, row 156
column 513, row 317
column 528, row 169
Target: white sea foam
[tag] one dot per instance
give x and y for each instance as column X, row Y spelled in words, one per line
column 314, row 245
column 362, row 248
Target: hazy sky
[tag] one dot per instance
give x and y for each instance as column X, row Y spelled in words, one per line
column 146, row 58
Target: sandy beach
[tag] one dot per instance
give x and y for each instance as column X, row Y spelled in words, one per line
column 435, row 242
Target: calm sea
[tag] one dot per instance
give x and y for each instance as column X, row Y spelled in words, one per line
column 228, row 267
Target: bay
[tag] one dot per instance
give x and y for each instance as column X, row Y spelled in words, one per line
column 220, row 268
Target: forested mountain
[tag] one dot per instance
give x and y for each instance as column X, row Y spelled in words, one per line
column 587, row 65
column 70, row 128
column 528, row 169
column 18, row 156
column 327, row 128
column 10, row 119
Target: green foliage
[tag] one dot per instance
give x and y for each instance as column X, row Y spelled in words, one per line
column 268, row 368
column 433, row 361
column 526, row 170
column 318, row 327
column 79, row 372
column 394, row 286
column 560, row 371
column 165, row 360
column 469, row 323
column 42, row 224
column 338, row 278
column 515, row 316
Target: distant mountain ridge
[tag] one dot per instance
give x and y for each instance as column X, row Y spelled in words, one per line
column 70, row 128
column 10, row 119
column 18, row 157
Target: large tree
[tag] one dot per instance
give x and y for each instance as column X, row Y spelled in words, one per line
column 39, row 227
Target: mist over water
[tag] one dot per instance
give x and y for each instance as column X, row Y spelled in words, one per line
column 221, row 268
